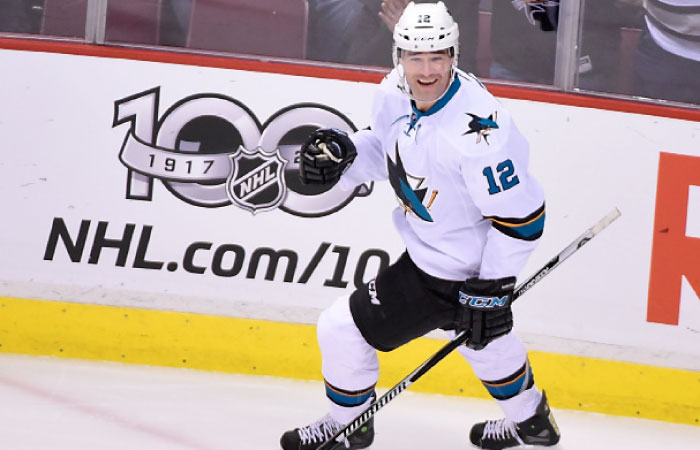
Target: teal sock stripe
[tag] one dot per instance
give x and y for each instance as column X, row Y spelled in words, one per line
column 344, row 397
column 512, row 385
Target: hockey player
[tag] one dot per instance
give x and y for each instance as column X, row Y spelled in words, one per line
column 470, row 213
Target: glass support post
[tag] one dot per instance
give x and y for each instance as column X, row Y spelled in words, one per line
column 568, row 44
column 95, row 21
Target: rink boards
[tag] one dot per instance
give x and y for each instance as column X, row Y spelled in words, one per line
column 151, row 215
column 261, row 347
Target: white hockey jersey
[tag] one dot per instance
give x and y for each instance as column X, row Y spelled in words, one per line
column 468, row 205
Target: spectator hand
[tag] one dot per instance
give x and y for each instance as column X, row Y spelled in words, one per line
column 391, row 11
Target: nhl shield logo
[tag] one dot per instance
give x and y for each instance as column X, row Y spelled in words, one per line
column 257, row 179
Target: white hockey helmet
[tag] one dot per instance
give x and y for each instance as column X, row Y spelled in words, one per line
column 426, row 27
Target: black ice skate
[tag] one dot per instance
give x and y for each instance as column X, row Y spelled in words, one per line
column 312, row 436
column 540, row 429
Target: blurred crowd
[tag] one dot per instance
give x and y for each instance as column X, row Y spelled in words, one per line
column 647, row 48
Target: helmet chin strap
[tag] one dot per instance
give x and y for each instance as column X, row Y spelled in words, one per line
column 406, row 89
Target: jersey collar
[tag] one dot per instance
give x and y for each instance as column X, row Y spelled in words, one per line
column 442, row 101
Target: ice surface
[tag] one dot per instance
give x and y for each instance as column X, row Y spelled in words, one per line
column 62, row 404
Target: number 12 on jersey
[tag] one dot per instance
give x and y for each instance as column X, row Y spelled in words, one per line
column 506, row 177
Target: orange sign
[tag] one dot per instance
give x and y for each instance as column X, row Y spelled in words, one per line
column 673, row 255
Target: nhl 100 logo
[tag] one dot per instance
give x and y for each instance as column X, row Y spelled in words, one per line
column 210, row 150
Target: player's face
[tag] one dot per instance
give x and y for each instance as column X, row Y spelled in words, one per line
column 427, row 74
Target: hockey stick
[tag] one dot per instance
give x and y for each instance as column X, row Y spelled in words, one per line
column 462, row 337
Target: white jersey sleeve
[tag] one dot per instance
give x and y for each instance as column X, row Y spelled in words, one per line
column 370, row 163
column 500, row 184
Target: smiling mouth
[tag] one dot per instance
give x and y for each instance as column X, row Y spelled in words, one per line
column 427, row 83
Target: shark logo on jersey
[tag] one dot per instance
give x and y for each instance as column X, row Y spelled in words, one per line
column 411, row 198
column 482, row 126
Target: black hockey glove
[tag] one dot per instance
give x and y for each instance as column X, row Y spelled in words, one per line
column 484, row 308
column 325, row 156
